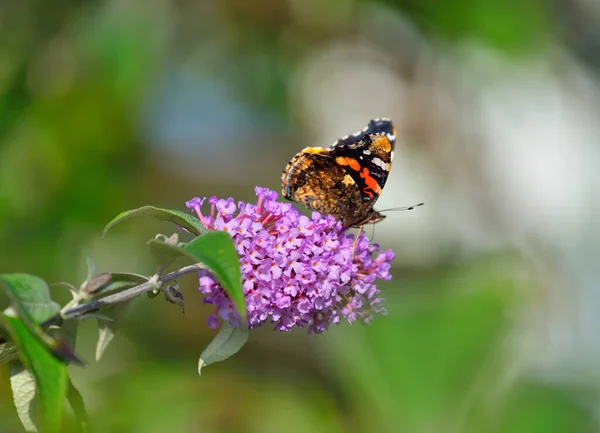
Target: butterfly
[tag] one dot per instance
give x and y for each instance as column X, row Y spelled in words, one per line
column 346, row 179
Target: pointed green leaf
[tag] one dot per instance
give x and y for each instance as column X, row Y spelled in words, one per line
column 216, row 250
column 78, row 406
column 91, row 267
column 22, row 384
column 31, row 299
column 125, row 279
column 107, row 330
column 49, row 372
column 226, row 343
column 31, row 294
column 182, row 219
column 165, row 252
column 122, row 280
column 72, row 289
column 114, row 287
column 128, row 277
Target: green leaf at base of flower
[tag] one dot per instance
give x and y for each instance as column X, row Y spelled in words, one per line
column 215, row 250
column 182, row 219
column 226, row 343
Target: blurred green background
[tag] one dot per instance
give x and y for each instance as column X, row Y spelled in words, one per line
column 108, row 105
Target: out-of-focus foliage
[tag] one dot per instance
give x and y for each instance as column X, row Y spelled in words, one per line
column 109, row 105
column 514, row 28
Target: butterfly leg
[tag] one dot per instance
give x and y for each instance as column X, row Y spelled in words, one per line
column 360, row 230
column 335, row 225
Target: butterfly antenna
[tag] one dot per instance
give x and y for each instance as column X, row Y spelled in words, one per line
column 411, row 207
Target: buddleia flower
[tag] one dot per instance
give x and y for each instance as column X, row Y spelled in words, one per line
column 296, row 271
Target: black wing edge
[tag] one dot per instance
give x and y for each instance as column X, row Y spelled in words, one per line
column 380, row 125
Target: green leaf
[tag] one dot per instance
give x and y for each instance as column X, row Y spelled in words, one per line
column 78, row 406
column 107, row 330
column 226, row 343
column 3, row 334
column 122, row 280
column 114, row 287
column 165, row 252
column 31, row 299
column 49, row 372
column 22, row 384
column 216, row 250
column 91, row 267
column 128, row 277
column 72, row 289
column 182, row 219
column 8, row 352
column 31, row 294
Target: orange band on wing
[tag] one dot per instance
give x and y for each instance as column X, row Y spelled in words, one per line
column 371, row 182
column 351, row 162
column 315, row 150
column 382, row 143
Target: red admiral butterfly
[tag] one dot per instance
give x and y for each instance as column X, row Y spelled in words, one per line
column 347, row 179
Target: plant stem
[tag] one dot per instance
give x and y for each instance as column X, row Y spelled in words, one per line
column 126, row 295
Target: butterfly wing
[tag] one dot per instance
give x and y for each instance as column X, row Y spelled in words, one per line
column 367, row 156
column 313, row 179
column 346, row 179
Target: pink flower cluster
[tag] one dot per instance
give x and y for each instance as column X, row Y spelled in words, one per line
column 296, row 271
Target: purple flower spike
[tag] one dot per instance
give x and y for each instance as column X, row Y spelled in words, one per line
column 296, row 271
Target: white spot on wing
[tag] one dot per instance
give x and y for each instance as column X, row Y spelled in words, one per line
column 378, row 162
column 367, row 152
